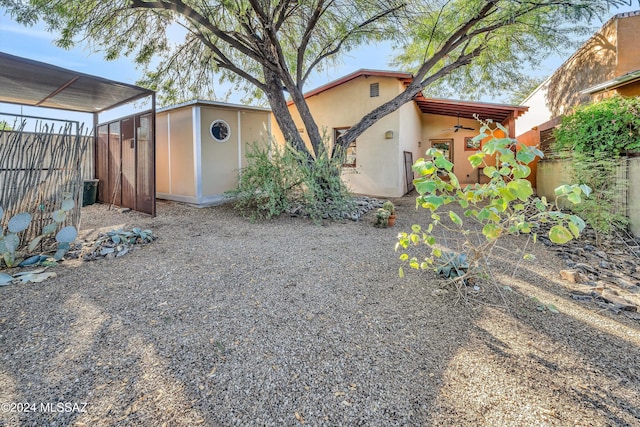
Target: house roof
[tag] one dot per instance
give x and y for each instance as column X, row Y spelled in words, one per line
column 213, row 104
column 625, row 79
column 443, row 107
column 27, row 82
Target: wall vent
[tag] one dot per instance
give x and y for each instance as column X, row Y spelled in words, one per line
column 374, row 90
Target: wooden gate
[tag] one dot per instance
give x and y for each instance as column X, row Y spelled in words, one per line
column 125, row 163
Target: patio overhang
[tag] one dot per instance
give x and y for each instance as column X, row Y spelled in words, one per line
column 27, row 82
column 500, row 113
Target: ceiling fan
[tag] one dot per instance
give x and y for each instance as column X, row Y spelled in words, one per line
column 457, row 127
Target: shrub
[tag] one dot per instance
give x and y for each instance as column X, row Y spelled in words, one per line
column 594, row 137
column 503, row 206
column 266, row 186
column 610, row 127
column 278, row 178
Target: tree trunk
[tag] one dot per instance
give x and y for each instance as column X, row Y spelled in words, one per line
column 280, row 110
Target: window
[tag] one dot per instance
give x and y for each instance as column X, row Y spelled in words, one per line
column 350, row 152
column 470, row 144
column 374, row 90
column 445, row 146
column 220, row 131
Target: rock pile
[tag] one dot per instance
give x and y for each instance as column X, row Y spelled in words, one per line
column 609, row 273
column 361, row 205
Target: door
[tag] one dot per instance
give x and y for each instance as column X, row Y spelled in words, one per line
column 128, row 177
column 145, row 177
column 408, row 171
column 445, row 146
column 125, row 163
column 114, row 192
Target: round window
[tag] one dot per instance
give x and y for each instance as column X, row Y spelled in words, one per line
column 220, row 130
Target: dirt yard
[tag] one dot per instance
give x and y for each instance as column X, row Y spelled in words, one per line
column 224, row 322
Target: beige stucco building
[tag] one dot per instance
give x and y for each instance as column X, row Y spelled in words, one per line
column 606, row 64
column 379, row 162
column 201, row 147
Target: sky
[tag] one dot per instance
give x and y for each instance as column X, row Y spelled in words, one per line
column 38, row 44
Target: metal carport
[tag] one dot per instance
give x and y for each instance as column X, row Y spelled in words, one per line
column 32, row 83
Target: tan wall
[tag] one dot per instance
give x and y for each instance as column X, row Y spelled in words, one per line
column 175, row 170
column 554, row 173
column 633, row 200
column 256, row 127
column 410, row 137
column 219, row 159
column 379, row 161
column 628, row 45
column 551, row 175
column 162, row 154
column 436, row 127
column 594, row 63
column 221, row 162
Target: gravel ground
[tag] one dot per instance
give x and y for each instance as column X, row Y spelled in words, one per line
column 224, row 322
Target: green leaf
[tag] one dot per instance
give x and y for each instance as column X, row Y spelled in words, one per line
column 432, row 202
column 34, row 243
column 559, row 234
column 416, row 228
column 525, row 155
column 491, row 231
column 521, row 188
column 553, row 309
column 5, row 279
column 404, row 257
column 49, row 228
column 437, row 252
column 401, row 272
column 574, row 198
column 67, row 234
column 455, row 218
column 425, row 186
column 489, row 171
column 585, row 189
column 443, row 163
column 68, row 204
column 19, row 222
column 574, row 229
column 476, row 159
column 59, row 216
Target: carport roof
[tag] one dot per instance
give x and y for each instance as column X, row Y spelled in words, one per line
column 27, row 82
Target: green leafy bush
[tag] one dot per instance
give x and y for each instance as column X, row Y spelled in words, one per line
column 594, row 137
column 267, row 184
column 278, row 178
column 607, row 127
column 503, row 206
column 605, row 209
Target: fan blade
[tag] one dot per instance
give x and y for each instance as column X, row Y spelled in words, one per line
column 457, row 129
column 463, row 127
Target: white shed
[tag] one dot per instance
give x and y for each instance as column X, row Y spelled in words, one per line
column 201, row 146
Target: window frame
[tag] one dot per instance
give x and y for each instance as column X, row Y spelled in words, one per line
column 352, row 147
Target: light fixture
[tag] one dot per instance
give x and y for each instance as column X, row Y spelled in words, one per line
column 388, row 134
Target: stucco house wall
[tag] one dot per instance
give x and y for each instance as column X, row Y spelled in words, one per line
column 612, row 52
column 193, row 167
column 378, row 160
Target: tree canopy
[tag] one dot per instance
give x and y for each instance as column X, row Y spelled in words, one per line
column 275, row 45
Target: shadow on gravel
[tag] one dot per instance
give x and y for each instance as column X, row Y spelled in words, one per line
column 221, row 322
